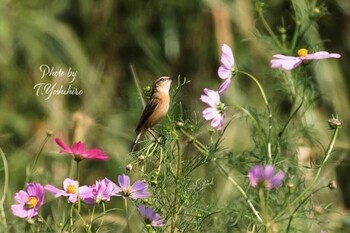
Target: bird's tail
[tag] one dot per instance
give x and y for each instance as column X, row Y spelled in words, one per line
column 137, row 138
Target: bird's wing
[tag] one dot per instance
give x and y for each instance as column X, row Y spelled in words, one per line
column 151, row 106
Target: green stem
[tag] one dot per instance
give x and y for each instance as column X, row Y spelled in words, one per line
column 71, row 221
column 259, row 86
column 240, row 189
column 301, row 203
column 269, row 152
column 92, row 217
column 3, row 196
column 41, row 148
column 327, row 155
column 268, row 28
column 103, row 217
column 196, row 143
column 264, row 205
column 126, row 214
column 77, row 175
column 179, row 160
column 203, row 150
column 178, row 178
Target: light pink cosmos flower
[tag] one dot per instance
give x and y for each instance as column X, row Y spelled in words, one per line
column 79, row 151
column 227, row 68
column 150, row 217
column 138, row 190
column 268, row 178
column 216, row 110
column 29, row 202
column 102, row 190
column 290, row 62
column 70, row 190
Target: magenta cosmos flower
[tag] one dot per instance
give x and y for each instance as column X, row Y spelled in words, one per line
column 70, row 190
column 102, row 190
column 79, row 151
column 289, row 62
column 216, row 110
column 29, row 202
column 138, row 190
column 227, row 68
column 150, row 217
column 268, row 178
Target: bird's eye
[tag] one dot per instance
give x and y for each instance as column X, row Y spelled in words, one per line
column 162, row 79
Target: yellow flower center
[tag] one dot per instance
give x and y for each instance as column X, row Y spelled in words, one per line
column 71, row 189
column 303, row 52
column 31, row 203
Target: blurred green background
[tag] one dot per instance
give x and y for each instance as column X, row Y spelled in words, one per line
column 102, row 40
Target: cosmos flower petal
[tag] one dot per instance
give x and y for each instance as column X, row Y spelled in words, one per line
column 266, row 177
column 79, row 148
column 287, row 64
column 224, row 73
column 207, row 100
column 255, row 174
column 213, row 95
column 210, row 113
column 290, row 62
column 67, row 182
column 216, row 110
column 216, row 121
column 227, row 58
column 225, row 85
column 269, row 172
column 97, row 154
column 57, row 192
column 139, row 190
column 322, row 55
column 36, row 190
column 67, row 191
column 150, row 217
column 64, row 147
column 34, row 196
column 19, row 211
column 79, row 151
column 21, row 197
column 277, row 180
column 222, row 118
column 124, row 181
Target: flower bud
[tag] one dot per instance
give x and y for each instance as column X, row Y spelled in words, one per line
column 128, row 167
column 211, row 131
column 49, row 132
column 333, row 185
column 334, row 123
column 147, row 89
column 180, row 124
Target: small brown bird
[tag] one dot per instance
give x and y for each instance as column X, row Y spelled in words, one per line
column 156, row 108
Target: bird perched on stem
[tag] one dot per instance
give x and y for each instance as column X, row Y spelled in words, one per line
column 156, row 108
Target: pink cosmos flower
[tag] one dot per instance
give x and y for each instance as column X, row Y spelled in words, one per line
column 102, row 190
column 138, row 190
column 289, row 62
column 79, row 151
column 150, row 217
column 70, row 190
column 265, row 177
column 29, row 202
column 227, row 68
column 216, row 110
